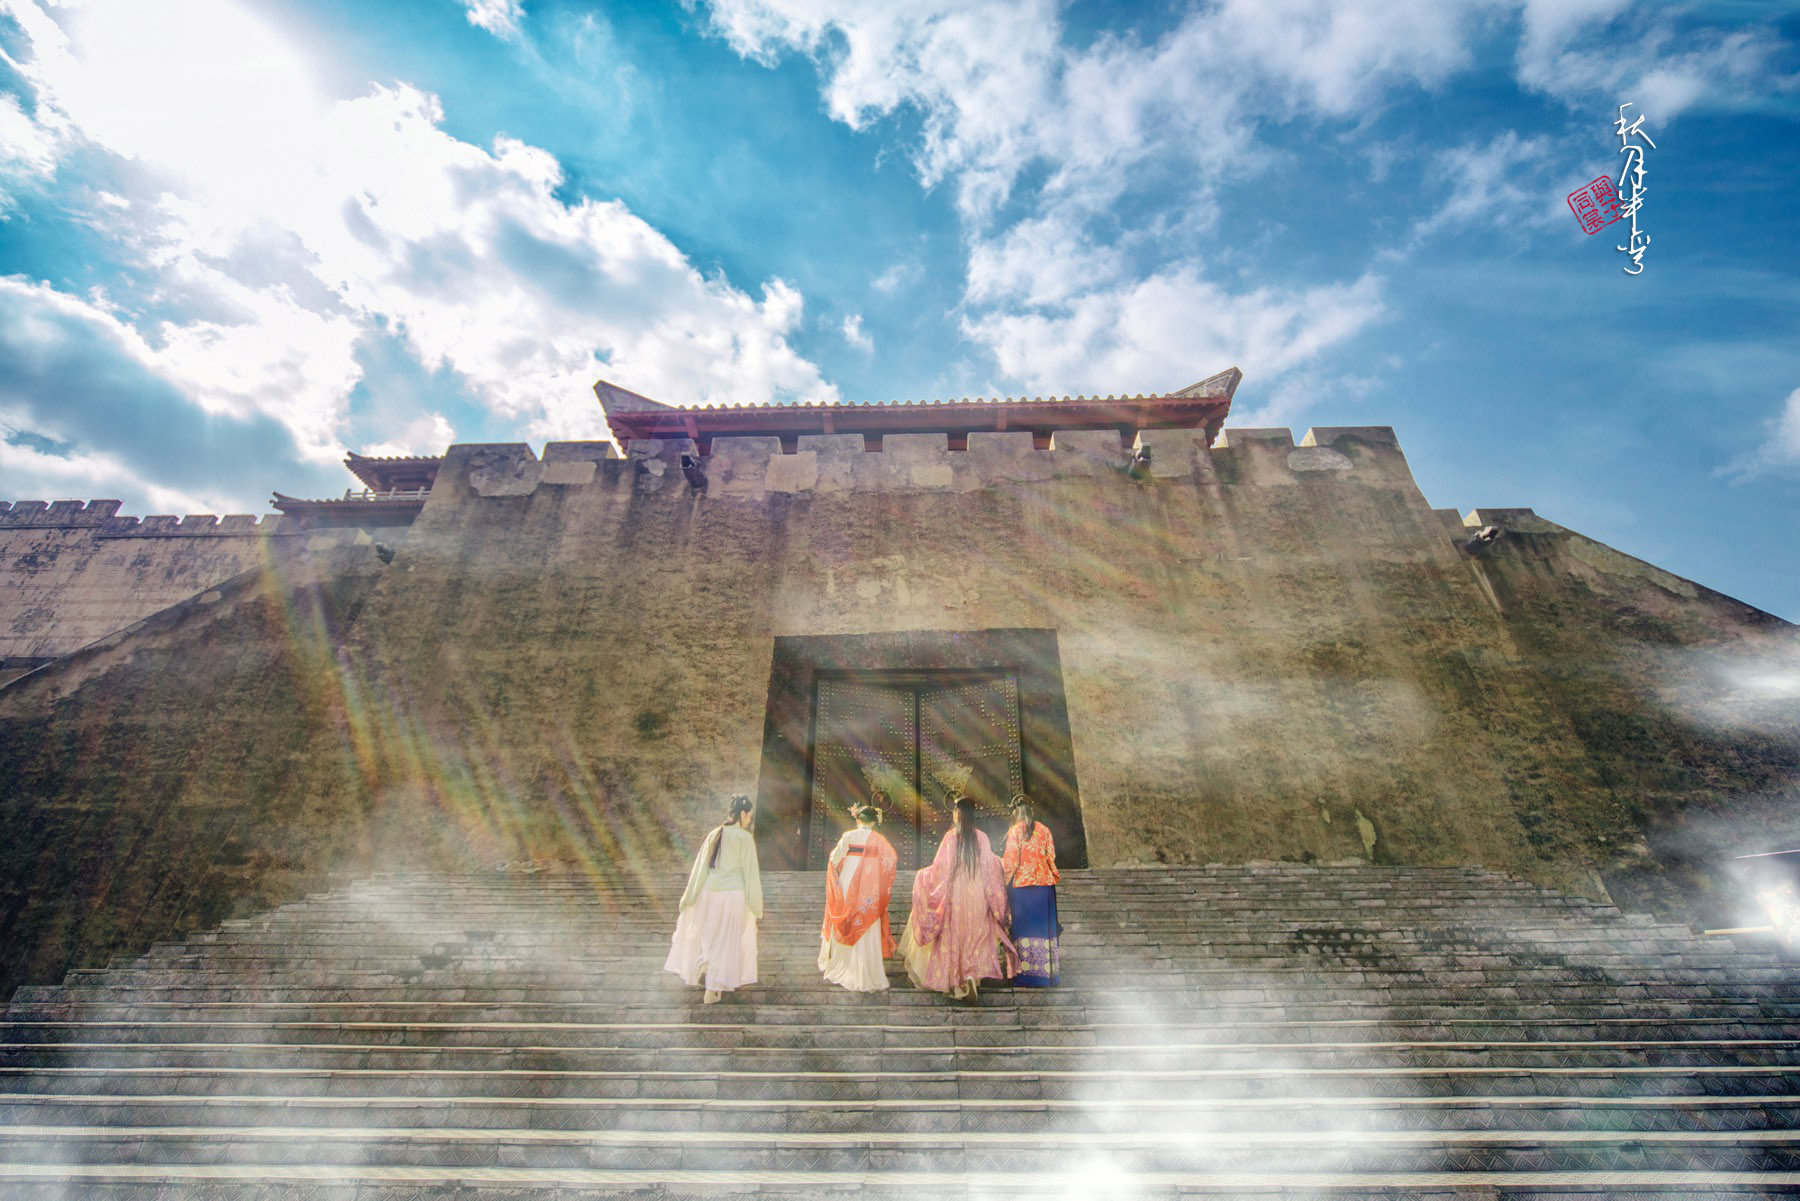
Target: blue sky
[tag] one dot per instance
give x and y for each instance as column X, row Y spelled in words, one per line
column 238, row 238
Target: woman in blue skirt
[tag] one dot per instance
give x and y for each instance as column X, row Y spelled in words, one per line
column 1031, row 876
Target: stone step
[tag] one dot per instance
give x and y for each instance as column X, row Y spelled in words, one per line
column 449, row 911
column 1097, row 890
column 283, row 1027
column 1194, row 947
column 1285, row 1028
column 757, row 1002
column 646, row 982
column 1023, row 1083
column 1472, row 905
column 1396, row 1112
column 647, row 978
column 345, row 1056
column 1338, row 1151
column 862, row 1008
column 338, row 1182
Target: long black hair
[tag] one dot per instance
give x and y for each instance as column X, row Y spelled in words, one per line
column 740, row 805
column 968, row 847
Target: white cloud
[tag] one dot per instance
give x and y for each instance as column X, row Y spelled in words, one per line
column 1610, row 51
column 1061, row 297
column 1780, row 449
column 1286, row 403
column 1338, row 57
column 1046, row 141
column 1041, row 260
column 999, row 87
column 27, row 149
column 282, row 227
column 898, row 276
column 426, row 434
column 1503, row 183
column 1785, row 444
column 36, row 475
column 499, row 17
column 856, row 335
column 1152, row 334
column 137, row 434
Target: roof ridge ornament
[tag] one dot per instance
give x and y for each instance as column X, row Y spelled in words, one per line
column 614, row 399
column 1224, row 384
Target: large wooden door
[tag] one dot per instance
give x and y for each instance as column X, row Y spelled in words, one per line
column 917, row 737
column 866, row 737
column 969, row 742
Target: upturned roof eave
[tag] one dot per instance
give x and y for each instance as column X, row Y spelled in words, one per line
column 1161, row 412
column 377, row 472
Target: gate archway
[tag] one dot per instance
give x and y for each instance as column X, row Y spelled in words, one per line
column 915, row 714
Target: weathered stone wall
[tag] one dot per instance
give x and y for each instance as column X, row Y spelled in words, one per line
column 1269, row 651
column 71, row 572
column 189, row 768
column 1688, row 700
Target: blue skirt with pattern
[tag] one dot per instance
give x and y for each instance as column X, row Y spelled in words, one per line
column 1034, row 931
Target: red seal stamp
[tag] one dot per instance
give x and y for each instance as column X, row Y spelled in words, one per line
column 1596, row 206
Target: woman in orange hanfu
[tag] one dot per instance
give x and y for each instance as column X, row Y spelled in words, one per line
column 956, row 936
column 858, row 882
column 1031, row 876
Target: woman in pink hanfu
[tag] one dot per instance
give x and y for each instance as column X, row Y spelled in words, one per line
column 956, row 936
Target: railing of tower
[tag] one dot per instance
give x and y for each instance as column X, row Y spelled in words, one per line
column 388, row 494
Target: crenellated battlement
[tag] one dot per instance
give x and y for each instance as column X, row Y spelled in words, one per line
column 749, row 466
column 77, row 570
column 64, row 513
column 743, row 466
column 102, row 517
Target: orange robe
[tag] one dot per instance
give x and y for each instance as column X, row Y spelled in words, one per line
column 1030, row 859
column 850, row 912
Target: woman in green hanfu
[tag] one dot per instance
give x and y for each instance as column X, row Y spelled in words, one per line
column 715, row 936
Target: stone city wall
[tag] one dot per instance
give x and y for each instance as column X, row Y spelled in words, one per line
column 72, row 572
column 1269, row 651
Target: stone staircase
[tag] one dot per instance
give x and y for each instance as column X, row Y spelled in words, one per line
column 1258, row 1031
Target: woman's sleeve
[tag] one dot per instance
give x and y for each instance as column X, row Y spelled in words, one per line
column 890, row 862
column 753, row 897
column 837, row 852
column 697, row 877
column 995, row 877
column 1009, row 862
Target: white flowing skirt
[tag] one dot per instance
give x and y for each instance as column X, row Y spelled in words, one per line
column 858, row 968
column 715, row 938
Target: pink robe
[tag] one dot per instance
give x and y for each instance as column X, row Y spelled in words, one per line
column 957, row 933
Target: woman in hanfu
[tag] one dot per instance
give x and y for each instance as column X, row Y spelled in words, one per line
column 859, row 879
column 715, row 936
column 1031, row 876
column 956, row 936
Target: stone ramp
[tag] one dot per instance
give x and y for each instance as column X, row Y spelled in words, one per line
column 1224, row 1031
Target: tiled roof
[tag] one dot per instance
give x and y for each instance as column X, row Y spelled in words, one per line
column 381, row 472
column 1218, row 387
column 1199, row 405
